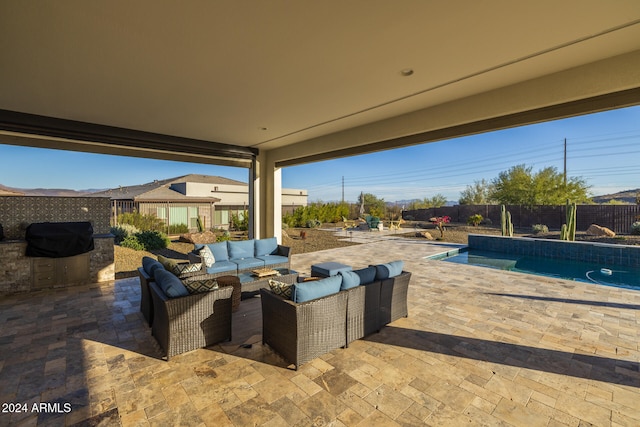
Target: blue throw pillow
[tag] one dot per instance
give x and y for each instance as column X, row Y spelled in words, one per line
column 367, row 275
column 349, row 280
column 388, row 270
column 307, row 291
column 240, row 249
column 170, row 284
column 266, row 246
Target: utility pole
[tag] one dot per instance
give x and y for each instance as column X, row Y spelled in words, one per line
column 565, row 162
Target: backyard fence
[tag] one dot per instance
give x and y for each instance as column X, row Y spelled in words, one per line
column 615, row 217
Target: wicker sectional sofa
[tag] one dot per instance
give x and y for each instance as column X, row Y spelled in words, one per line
column 239, row 256
column 317, row 326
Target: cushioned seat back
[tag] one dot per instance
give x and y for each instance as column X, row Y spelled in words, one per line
column 219, row 250
column 241, row 249
column 266, row 247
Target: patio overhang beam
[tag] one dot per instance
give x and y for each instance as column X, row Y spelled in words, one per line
column 17, row 128
column 614, row 100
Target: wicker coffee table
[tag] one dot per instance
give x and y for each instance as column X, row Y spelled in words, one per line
column 252, row 283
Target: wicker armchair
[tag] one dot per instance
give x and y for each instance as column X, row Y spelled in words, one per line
column 393, row 298
column 186, row 323
column 146, row 303
column 300, row 332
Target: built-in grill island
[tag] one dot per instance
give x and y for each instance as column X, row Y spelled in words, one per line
column 53, row 242
column 60, row 252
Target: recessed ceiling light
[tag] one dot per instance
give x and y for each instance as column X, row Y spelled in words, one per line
column 406, row 72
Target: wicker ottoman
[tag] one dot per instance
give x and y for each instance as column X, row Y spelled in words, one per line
column 237, row 289
column 327, row 269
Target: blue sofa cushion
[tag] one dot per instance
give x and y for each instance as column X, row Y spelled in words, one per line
column 388, row 270
column 307, row 291
column 223, row 266
column 219, row 250
column 349, row 280
column 273, row 259
column 248, row 263
column 149, row 265
column 170, row 284
column 266, row 247
column 367, row 275
column 240, row 249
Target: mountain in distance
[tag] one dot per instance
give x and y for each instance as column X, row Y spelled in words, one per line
column 627, row 196
column 51, row 192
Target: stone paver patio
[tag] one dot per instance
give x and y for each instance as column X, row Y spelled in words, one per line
column 480, row 347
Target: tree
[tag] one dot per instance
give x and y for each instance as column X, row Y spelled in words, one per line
column 434, row 202
column 520, row 186
column 476, row 194
column 372, row 205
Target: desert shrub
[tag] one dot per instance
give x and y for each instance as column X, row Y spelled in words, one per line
column 146, row 241
column 238, row 223
column 178, row 229
column 224, row 236
column 132, row 242
column 486, row 221
column 153, row 240
column 323, row 212
column 475, row 220
column 539, row 228
column 313, row 223
column 122, row 231
column 635, row 227
column 142, row 222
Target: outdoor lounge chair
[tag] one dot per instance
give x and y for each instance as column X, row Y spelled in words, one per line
column 300, row 332
column 393, row 298
column 187, row 323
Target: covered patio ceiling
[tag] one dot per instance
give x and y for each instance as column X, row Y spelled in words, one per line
column 267, row 75
column 285, row 83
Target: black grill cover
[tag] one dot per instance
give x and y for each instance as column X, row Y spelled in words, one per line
column 59, row 239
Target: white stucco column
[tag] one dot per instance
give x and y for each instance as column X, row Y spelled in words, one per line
column 267, row 198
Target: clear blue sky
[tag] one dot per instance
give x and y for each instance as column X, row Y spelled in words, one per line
column 603, row 149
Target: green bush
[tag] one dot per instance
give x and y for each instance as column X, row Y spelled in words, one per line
column 240, row 224
column 132, row 242
column 313, row 223
column 178, row 229
column 146, row 241
column 317, row 211
column 122, row 231
column 224, row 236
column 475, row 220
column 152, row 240
column 142, row 222
column 539, row 228
column 635, row 227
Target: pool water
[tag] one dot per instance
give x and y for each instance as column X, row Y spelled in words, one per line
column 608, row 275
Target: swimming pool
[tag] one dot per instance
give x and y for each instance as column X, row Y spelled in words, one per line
column 602, row 274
